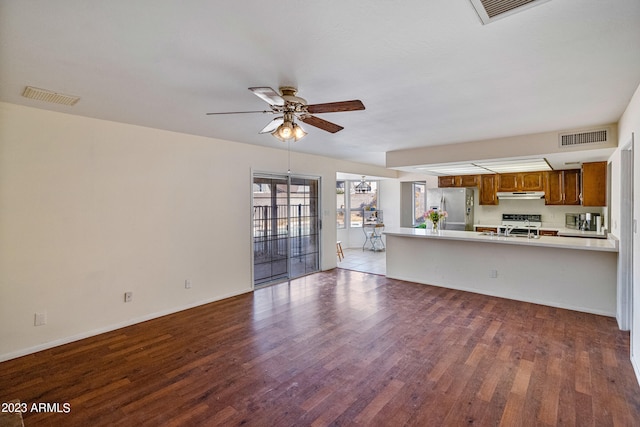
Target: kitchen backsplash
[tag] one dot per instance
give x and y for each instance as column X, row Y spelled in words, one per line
column 552, row 216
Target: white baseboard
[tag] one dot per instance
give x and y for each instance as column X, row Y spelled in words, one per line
column 113, row 327
column 635, row 362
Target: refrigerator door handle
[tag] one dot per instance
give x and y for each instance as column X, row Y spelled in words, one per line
column 443, row 205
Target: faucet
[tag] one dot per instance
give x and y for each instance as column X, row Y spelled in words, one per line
column 528, row 225
column 507, row 230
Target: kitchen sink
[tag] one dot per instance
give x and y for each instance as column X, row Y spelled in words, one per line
column 524, row 236
column 489, row 233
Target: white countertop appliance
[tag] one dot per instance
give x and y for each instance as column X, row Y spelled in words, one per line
column 520, row 224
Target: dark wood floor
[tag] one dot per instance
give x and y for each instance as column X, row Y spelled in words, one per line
column 341, row 348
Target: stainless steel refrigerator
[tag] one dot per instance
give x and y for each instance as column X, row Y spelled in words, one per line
column 457, row 202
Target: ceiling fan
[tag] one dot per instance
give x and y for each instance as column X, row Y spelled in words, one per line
column 289, row 106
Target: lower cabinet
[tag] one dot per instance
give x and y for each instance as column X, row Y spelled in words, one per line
column 486, row 229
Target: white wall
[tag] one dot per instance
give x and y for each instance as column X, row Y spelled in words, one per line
column 630, row 123
column 90, row 209
column 582, row 280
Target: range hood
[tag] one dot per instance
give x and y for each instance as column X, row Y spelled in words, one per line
column 521, row 195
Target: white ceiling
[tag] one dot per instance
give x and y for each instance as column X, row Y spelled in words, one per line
column 428, row 72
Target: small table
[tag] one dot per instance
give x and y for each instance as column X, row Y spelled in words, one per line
column 373, row 236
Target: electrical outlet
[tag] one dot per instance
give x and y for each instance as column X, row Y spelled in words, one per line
column 40, row 319
column 128, row 296
column 187, row 284
column 493, row 274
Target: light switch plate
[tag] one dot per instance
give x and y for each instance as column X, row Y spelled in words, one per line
column 40, row 319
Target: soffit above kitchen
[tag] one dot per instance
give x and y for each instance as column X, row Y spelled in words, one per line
column 566, row 149
column 429, row 73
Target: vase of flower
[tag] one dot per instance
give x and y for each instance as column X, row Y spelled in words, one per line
column 434, row 216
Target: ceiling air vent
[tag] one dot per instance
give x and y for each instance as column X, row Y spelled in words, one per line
column 574, row 139
column 490, row 10
column 49, row 96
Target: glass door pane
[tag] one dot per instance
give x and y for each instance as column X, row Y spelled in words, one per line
column 270, row 229
column 305, row 226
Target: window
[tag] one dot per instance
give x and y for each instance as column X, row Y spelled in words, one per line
column 340, row 203
column 352, row 199
column 419, row 202
column 359, row 201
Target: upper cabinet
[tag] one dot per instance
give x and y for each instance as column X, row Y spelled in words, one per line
column 562, row 187
column 521, row 181
column 458, row 181
column 469, row 181
column 448, row 181
column 594, row 184
column 488, row 186
column 586, row 187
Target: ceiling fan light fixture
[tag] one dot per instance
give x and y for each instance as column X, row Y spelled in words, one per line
column 298, row 132
column 284, row 132
column 289, row 130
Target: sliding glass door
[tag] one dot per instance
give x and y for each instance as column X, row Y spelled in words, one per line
column 286, row 228
column 305, row 231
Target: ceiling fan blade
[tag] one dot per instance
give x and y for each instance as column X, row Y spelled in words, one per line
column 322, row 124
column 268, row 95
column 273, row 125
column 335, row 107
column 240, row 112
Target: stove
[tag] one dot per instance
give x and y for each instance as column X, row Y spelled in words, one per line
column 520, row 224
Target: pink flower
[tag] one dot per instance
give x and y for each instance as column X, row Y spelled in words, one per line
column 434, row 215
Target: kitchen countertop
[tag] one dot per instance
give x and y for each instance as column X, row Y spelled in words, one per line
column 562, row 231
column 589, row 244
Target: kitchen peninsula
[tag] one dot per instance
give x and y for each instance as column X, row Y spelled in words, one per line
column 574, row 273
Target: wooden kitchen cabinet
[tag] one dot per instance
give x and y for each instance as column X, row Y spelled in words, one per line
column 488, row 187
column 572, row 187
column 521, row 181
column 554, row 188
column 486, row 229
column 447, row 181
column 469, row 181
column 532, row 181
column 562, row 187
column 594, row 184
column 508, row 182
column 458, row 181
